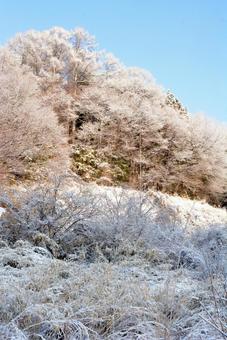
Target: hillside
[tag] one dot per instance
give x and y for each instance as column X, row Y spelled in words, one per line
column 115, row 124
column 138, row 267
column 111, row 224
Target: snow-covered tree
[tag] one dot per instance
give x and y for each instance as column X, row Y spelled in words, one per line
column 128, row 115
column 28, row 129
column 121, row 113
column 60, row 56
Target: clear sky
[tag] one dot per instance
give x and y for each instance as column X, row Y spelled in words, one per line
column 182, row 42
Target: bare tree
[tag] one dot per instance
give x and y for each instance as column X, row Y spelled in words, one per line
column 28, row 129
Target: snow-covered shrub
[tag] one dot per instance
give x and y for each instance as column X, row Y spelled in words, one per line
column 212, row 245
column 66, row 221
column 44, row 210
column 127, row 272
column 112, row 225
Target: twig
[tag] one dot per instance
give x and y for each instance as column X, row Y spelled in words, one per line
column 213, row 325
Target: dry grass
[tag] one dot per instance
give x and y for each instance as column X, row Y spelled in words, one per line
column 128, row 273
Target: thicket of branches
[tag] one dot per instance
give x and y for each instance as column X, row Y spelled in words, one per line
column 28, row 129
column 115, row 242
column 117, row 112
column 163, row 148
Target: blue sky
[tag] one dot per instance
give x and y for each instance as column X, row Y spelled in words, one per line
column 182, row 42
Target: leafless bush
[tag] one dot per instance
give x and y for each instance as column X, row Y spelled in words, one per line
column 84, row 221
column 113, row 226
column 110, row 226
column 212, row 246
column 45, row 209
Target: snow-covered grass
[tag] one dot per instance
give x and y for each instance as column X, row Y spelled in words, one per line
column 175, row 209
column 143, row 266
column 133, row 299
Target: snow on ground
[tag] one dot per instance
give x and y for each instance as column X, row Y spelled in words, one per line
column 133, row 297
column 44, row 298
column 2, row 210
column 189, row 213
column 192, row 213
column 183, row 211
